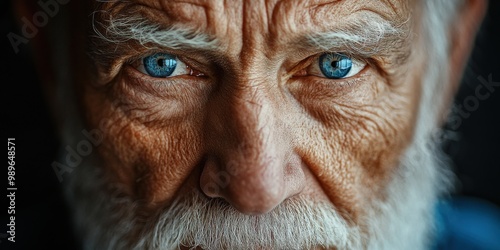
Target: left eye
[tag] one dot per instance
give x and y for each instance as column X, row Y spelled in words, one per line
column 162, row 65
column 337, row 66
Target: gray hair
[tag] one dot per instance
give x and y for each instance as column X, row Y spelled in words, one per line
column 413, row 201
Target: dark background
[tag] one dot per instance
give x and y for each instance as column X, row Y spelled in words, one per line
column 41, row 215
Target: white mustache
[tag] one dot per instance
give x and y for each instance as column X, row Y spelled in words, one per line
column 196, row 221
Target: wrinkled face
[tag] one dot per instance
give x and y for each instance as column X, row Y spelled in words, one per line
column 253, row 103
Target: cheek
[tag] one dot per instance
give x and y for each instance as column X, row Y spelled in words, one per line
column 357, row 135
column 149, row 156
column 167, row 157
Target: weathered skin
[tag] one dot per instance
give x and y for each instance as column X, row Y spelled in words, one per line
column 256, row 110
column 251, row 123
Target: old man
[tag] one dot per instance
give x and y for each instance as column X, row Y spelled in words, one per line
column 257, row 124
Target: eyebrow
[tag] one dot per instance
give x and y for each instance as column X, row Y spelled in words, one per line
column 367, row 36
column 144, row 31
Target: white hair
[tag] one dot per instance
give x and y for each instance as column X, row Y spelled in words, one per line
column 125, row 28
column 106, row 219
column 437, row 23
column 365, row 35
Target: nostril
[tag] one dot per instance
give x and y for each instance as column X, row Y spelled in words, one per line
column 213, row 180
column 211, row 190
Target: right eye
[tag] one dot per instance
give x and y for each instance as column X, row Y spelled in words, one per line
column 162, row 65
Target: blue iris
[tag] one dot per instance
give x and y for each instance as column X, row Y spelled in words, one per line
column 160, row 64
column 335, row 66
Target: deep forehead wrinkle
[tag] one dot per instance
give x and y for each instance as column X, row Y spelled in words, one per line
column 290, row 17
column 199, row 14
column 204, row 13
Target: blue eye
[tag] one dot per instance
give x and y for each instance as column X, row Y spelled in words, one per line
column 335, row 66
column 160, row 64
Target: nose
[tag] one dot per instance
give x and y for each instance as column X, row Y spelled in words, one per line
column 251, row 163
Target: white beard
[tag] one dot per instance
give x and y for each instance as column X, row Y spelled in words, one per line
column 105, row 220
column 404, row 220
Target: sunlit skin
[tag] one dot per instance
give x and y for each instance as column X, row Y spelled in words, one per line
column 251, row 122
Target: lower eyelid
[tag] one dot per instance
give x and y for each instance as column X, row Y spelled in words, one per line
column 159, row 86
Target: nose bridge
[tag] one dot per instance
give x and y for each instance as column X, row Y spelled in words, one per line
column 244, row 108
column 248, row 163
column 250, row 124
column 252, row 110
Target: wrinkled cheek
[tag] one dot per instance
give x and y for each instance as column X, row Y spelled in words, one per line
column 166, row 161
column 378, row 161
column 149, row 161
column 120, row 143
column 355, row 157
column 379, row 148
column 324, row 155
column 353, row 174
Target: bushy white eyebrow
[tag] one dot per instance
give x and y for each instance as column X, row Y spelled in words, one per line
column 366, row 35
column 126, row 28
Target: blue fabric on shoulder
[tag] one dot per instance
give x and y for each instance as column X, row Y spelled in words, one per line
column 468, row 224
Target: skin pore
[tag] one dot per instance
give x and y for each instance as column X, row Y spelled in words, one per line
column 250, row 121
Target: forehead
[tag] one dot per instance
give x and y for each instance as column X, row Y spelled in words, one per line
column 265, row 17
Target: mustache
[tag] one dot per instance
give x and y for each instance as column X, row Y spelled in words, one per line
column 193, row 220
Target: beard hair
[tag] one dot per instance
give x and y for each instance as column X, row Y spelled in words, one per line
column 403, row 219
column 107, row 219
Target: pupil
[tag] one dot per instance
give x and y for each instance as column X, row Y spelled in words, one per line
column 161, row 62
column 335, row 64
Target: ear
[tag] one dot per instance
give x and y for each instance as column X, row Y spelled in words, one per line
column 462, row 37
